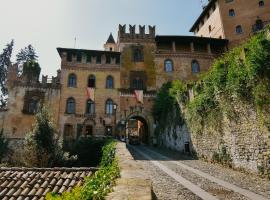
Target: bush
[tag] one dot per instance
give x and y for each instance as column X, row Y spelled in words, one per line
column 98, row 185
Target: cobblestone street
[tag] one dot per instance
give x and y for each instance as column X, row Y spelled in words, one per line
column 177, row 177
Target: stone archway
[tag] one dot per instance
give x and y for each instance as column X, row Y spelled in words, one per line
column 88, row 127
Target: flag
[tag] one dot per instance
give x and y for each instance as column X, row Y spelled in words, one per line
column 139, row 95
column 90, row 92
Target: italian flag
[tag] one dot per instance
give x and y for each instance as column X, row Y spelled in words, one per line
column 139, row 95
column 90, row 92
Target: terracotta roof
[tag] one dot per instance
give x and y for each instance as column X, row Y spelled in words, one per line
column 35, row 183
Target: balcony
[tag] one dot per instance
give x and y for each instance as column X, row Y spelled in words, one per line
column 130, row 93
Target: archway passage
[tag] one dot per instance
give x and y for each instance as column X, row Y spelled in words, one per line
column 137, row 125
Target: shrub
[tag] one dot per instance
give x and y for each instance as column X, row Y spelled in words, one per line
column 42, row 145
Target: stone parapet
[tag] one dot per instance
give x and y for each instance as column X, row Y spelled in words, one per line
column 134, row 182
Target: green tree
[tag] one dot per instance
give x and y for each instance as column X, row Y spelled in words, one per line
column 43, row 148
column 26, row 54
column 5, row 62
column 3, row 145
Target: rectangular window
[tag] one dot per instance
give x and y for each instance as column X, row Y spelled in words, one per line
column 88, row 58
column 79, row 57
column 79, row 130
column 108, row 59
column 98, row 61
column 69, row 57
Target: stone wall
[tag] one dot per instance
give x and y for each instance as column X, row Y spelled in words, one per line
column 244, row 139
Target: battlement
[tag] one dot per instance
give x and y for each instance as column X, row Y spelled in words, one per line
column 122, row 34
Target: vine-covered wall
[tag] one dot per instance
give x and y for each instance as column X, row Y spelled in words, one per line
column 227, row 111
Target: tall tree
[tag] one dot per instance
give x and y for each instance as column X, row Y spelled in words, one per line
column 26, row 55
column 5, row 62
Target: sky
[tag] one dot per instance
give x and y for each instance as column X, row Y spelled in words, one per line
column 48, row 24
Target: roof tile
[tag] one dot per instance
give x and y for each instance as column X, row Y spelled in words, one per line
column 35, row 183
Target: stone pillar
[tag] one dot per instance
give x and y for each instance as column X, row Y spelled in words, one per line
column 192, row 47
column 209, row 48
column 173, row 46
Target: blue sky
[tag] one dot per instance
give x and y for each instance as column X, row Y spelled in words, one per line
column 47, row 24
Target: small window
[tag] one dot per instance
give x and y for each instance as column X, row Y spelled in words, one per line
column 92, row 81
column 108, row 59
column 209, row 28
column 109, row 107
column 90, row 107
column 238, row 29
column 70, row 109
column 117, row 61
column 69, row 57
column 195, row 67
column 110, row 48
column 72, row 80
column 228, row 1
column 98, row 61
column 231, row 13
column 168, row 65
column 88, row 58
column 261, row 3
column 79, row 57
column 109, row 82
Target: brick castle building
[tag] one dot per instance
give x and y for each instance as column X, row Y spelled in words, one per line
column 95, row 93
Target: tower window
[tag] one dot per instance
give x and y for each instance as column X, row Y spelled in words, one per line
column 168, row 65
column 110, row 48
column 195, row 67
column 108, row 59
column 261, row 3
column 92, row 81
column 70, row 109
column 88, row 58
column 231, row 13
column 72, row 80
column 137, row 55
column 79, row 57
column 33, row 105
column 109, row 82
column 238, row 29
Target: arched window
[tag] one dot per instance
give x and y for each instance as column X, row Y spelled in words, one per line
column 261, row 3
column 195, row 67
column 168, row 65
column 109, row 106
column 109, row 82
column 238, row 29
column 231, row 13
column 92, row 81
column 72, row 80
column 33, row 105
column 90, row 107
column 70, row 109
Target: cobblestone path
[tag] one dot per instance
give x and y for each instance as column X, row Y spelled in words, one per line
column 177, row 177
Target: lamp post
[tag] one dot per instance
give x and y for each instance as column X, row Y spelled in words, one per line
column 115, row 109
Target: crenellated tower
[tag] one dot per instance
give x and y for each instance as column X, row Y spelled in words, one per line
column 133, row 37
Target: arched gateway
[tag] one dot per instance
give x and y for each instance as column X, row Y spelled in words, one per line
column 140, row 123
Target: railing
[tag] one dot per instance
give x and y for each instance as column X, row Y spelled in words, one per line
column 130, row 93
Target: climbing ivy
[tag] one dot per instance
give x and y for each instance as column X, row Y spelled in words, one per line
column 242, row 75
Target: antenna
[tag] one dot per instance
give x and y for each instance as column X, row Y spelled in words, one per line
column 75, row 40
